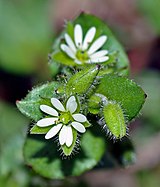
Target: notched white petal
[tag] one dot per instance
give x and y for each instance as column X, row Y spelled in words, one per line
column 57, row 104
column 62, row 135
column 68, row 51
column 97, row 44
column 70, row 100
column 100, row 60
column 79, row 117
column 99, row 54
column 69, row 136
column 72, row 107
column 78, row 35
column 78, row 126
column 46, row 122
column 48, row 110
column 71, row 104
column 70, row 42
column 89, row 37
column 77, row 61
column 53, row 131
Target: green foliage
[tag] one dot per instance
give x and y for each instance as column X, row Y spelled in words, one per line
column 101, row 93
column 42, row 155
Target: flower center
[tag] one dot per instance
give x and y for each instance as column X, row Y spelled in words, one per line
column 65, row 118
column 82, row 55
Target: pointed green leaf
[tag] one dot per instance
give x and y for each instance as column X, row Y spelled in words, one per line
column 123, row 91
column 39, row 95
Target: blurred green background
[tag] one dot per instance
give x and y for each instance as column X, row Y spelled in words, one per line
column 27, row 32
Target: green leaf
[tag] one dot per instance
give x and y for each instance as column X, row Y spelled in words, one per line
column 114, row 118
column 124, row 91
column 82, row 81
column 39, row 95
column 42, row 155
column 112, row 45
column 69, row 150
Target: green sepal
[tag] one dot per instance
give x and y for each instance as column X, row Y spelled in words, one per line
column 115, row 120
column 87, row 124
column 61, row 57
column 68, row 150
column 40, row 130
column 94, row 104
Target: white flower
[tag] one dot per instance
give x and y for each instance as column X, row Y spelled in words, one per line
column 81, row 51
column 64, row 119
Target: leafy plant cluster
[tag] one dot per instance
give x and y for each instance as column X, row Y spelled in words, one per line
column 105, row 95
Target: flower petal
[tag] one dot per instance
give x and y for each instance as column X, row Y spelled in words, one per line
column 98, row 60
column 71, row 104
column 53, row 131
column 99, row 54
column 49, row 110
column 70, row 100
column 77, row 61
column 57, row 104
column 97, row 44
column 62, row 135
column 69, row 136
column 78, row 35
column 78, row 126
column 70, row 42
column 68, row 51
column 79, row 117
column 46, row 122
column 89, row 37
